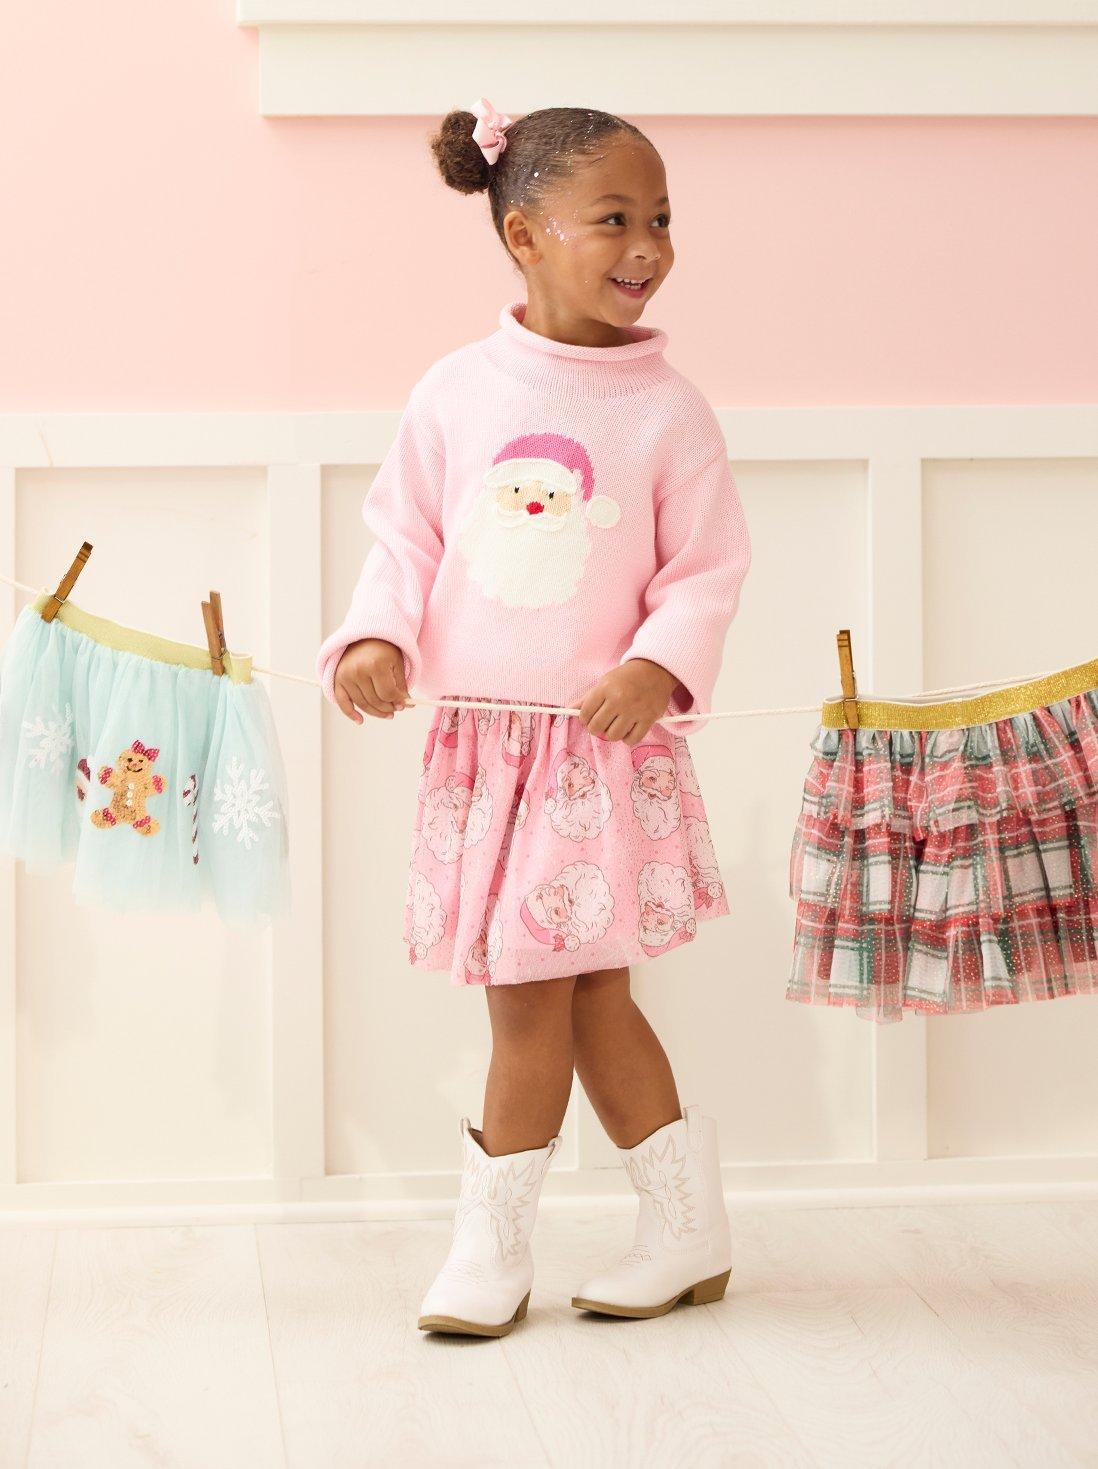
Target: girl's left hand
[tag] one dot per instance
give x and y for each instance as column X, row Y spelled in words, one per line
column 627, row 701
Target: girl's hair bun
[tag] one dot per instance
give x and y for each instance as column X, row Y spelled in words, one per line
column 459, row 158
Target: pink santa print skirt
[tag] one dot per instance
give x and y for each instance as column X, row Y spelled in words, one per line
column 541, row 850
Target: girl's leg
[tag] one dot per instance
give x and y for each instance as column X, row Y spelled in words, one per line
column 619, row 1060
column 530, row 1076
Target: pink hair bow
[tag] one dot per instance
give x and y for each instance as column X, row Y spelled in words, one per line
column 490, row 129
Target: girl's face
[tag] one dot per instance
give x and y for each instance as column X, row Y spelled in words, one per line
column 608, row 221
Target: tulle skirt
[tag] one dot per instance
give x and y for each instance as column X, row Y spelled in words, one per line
column 944, row 857
column 541, row 850
column 124, row 752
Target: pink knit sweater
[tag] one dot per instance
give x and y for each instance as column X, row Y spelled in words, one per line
column 545, row 512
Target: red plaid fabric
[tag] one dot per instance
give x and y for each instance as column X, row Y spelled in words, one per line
column 948, row 870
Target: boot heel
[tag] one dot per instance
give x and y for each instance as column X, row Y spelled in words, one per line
column 707, row 1291
column 520, row 1314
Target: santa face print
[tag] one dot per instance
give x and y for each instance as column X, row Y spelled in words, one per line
column 655, row 790
column 528, row 533
column 657, row 780
column 578, row 779
column 577, row 802
column 541, row 850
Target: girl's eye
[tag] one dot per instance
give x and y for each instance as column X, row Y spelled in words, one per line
column 665, row 217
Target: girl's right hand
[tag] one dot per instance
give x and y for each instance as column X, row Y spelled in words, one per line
column 370, row 673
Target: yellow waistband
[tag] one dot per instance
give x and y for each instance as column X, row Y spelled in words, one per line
column 1000, row 703
column 238, row 666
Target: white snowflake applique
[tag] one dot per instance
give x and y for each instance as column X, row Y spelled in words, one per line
column 54, row 738
column 240, row 804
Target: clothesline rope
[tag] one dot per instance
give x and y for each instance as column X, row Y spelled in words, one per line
column 558, row 709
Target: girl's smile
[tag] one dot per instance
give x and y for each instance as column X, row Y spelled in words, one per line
column 633, row 289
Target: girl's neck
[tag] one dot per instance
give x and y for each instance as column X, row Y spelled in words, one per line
column 550, row 365
column 560, row 325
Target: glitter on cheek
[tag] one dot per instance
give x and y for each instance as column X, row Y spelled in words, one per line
column 556, row 227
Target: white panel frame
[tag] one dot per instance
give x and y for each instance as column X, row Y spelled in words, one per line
column 895, row 660
column 9, row 605
column 712, row 57
column 296, row 948
column 295, row 448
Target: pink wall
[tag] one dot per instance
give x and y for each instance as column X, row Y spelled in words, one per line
column 165, row 247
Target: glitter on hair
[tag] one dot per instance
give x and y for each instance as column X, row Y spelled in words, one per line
column 542, row 152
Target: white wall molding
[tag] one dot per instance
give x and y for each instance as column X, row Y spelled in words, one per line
column 431, row 1195
column 690, row 57
column 199, row 440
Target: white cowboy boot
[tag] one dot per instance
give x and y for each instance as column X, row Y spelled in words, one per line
column 484, row 1284
column 682, row 1248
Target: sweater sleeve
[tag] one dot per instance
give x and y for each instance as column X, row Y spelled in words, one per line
column 703, row 548
column 403, row 509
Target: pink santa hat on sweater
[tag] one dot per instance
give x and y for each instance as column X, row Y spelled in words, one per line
column 558, row 461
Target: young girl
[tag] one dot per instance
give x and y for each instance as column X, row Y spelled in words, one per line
column 556, row 524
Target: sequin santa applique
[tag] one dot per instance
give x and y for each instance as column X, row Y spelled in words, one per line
column 528, row 534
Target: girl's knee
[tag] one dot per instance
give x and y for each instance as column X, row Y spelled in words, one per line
column 601, row 987
column 531, row 1006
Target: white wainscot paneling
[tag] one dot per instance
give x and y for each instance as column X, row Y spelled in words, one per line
column 787, row 1083
column 144, row 1042
column 1009, row 586
column 405, row 1049
column 318, row 1074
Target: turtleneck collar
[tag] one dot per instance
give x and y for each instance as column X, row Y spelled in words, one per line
column 591, row 372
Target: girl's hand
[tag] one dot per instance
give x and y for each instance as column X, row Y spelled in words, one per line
column 370, row 673
column 627, row 702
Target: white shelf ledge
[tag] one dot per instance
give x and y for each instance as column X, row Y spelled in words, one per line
column 679, row 57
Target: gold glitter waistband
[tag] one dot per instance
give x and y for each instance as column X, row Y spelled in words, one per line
column 238, row 666
column 1000, row 703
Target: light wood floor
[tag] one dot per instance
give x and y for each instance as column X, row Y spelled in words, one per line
column 958, row 1334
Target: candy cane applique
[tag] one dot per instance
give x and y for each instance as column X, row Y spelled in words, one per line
column 190, row 798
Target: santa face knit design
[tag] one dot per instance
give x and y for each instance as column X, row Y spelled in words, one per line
column 527, row 535
column 945, row 858
column 546, row 512
column 541, row 850
column 125, row 752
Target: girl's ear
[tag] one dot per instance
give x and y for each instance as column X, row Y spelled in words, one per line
column 519, row 237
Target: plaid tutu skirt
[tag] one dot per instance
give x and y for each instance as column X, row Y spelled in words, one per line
column 944, row 856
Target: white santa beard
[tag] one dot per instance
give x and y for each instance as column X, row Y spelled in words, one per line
column 525, row 560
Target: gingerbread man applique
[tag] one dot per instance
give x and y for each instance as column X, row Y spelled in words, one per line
column 132, row 782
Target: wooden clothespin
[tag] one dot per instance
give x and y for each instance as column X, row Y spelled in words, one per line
column 65, row 586
column 214, row 619
column 849, row 683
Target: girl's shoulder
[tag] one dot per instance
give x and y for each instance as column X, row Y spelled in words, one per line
column 689, row 415
column 454, row 372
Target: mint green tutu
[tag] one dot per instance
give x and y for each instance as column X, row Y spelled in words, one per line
column 127, row 753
